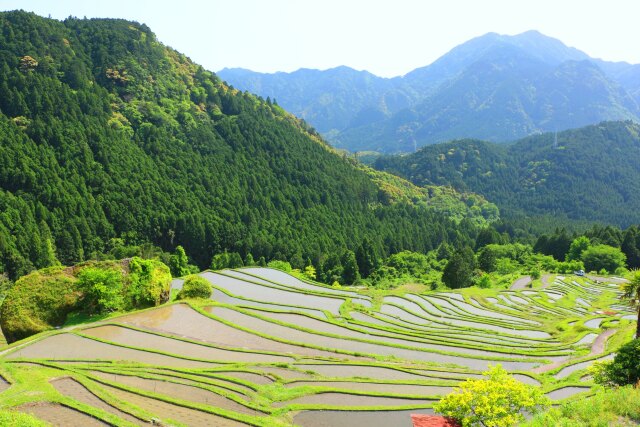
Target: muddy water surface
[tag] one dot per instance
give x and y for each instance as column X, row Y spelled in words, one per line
column 60, row 416
column 351, row 400
column 164, row 410
column 178, row 391
column 73, row 389
column 408, row 389
column 70, row 346
column 182, row 320
column 131, row 337
column 357, row 418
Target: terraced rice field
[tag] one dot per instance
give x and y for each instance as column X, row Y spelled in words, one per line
column 273, row 350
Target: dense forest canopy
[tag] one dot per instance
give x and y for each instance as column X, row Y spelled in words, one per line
column 589, row 174
column 108, row 134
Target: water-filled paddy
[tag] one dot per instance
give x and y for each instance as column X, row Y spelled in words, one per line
column 565, row 392
column 130, row 337
column 406, row 389
column 60, row 415
column 178, row 391
column 271, row 294
column 182, row 320
column 70, row 346
column 352, row 400
column 327, row 418
column 298, row 336
column 164, row 410
column 73, row 389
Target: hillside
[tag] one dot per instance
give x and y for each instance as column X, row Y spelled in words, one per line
column 494, row 87
column 106, row 133
column 590, row 174
column 270, row 350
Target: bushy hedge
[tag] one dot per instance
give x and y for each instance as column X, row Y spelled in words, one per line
column 38, row 301
column 195, row 287
column 42, row 300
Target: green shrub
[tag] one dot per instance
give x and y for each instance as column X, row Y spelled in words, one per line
column 610, row 407
column 603, row 257
column 280, row 265
column 43, row 299
column 497, row 400
column 148, row 283
column 623, row 370
column 38, row 302
column 195, row 287
column 102, row 289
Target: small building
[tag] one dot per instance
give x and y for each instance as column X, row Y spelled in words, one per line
column 423, row 420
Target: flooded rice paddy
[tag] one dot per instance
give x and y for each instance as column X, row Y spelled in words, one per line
column 272, row 349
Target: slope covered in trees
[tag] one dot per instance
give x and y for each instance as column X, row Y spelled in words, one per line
column 586, row 174
column 106, row 133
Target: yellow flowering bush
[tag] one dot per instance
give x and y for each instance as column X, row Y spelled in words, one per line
column 497, row 400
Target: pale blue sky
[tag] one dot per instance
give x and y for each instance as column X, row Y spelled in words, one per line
column 388, row 38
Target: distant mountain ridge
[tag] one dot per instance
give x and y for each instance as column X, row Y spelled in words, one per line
column 586, row 174
column 493, row 87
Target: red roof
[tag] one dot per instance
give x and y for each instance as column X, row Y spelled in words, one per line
column 421, row 420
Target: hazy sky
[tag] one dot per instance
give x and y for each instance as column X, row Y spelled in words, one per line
column 388, row 38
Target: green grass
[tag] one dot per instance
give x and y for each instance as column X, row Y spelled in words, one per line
column 608, row 407
column 18, row 419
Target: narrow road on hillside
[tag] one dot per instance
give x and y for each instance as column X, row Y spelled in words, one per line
column 521, row 283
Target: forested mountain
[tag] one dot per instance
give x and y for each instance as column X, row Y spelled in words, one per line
column 105, row 133
column 493, row 87
column 585, row 174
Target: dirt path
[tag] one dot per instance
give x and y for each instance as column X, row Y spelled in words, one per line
column 596, row 348
column 521, row 283
column 598, row 345
column 545, row 280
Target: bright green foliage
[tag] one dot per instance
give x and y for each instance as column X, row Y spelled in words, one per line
column 632, row 295
column 458, row 272
column 103, row 289
column 42, row 300
column 195, row 287
column 280, row 265
column 497, row 400
column 598, row 257
column 535, row 273
column 148, row 283
column 578, row 246
column 37, row 302
column 608, row 407
column 310, row 272
column 179, row 263
column 248, row 260
column 10, row 418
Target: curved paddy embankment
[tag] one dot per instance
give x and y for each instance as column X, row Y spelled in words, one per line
column 271, row 350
